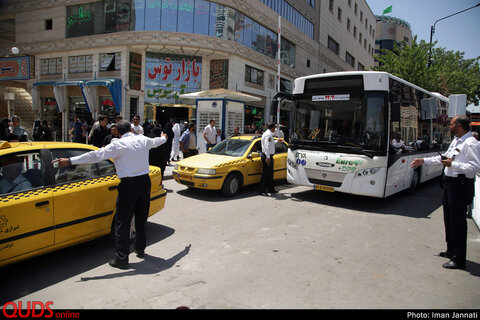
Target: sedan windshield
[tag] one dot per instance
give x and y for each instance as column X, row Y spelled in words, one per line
column 231, row 147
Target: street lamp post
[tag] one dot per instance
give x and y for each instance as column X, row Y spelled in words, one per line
column 432, row 31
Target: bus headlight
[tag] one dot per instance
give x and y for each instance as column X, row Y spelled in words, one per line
column 207, row 171
column 366, row 172
column 292, row 163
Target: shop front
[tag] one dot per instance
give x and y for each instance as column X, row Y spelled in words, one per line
column 167, row 76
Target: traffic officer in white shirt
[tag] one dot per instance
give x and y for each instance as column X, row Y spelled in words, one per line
column 268, row 150
column 130, row 156
column 461, row 162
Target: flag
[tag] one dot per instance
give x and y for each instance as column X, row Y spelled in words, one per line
column 389, row 9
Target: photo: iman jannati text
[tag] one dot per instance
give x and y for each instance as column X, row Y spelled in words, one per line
column 442, row 315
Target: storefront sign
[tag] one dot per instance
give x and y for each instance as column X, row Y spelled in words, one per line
column 168, row 76
column 16, row 68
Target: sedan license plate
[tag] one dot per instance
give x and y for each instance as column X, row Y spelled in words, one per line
column 323, row 188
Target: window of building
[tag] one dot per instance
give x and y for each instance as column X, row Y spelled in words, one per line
column 333, row 45
column 349, row 59
column 254, row 75
column 339, row 14
column 361, row 16
column 348, row 24
column 330, row 5
column 361, row 67
column 355, row 10
column 48, row 24
column 110, row 61
column 79, row 64
column 355, row 32
column 51, row 66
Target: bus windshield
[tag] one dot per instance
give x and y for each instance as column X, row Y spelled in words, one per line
column 354, row 121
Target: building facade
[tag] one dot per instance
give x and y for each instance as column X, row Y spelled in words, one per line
column 139, row 56
column 391, row 31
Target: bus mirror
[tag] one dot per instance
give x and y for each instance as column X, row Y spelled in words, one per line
column 395, row 111
column 392, row 97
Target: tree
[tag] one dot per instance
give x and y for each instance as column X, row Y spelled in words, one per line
column 449, row 73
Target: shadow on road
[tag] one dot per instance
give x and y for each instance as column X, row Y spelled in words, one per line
column 25, row 277
column 403, row 203
column 150, row 265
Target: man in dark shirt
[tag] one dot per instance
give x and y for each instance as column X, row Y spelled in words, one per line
column 100, row 132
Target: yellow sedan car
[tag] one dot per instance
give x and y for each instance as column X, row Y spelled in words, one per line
column 45, row 208
column 233, row 163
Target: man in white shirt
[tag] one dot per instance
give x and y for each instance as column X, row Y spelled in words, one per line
column 129, row 154
column 268, row 150
column 210, row 134
column 137, row 128
column 461, row 162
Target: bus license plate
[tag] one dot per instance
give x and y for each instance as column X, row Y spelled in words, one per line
column 324, row 188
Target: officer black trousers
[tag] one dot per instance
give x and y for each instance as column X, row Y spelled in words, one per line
column 457, row 195
column 133, row 198
column 266, row 181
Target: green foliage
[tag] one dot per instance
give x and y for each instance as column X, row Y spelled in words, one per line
column 449, row 73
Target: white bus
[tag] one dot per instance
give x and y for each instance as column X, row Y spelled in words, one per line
column 342, row 127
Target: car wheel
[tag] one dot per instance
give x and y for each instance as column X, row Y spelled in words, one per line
column 231, row 185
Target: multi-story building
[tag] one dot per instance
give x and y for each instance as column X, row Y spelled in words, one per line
column 91, row 57
column 390, row 31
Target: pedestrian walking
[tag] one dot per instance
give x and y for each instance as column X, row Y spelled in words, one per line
column 130, row 157
column 137, row 128
column 188, row 141
column 18, row 132
column 268, row 150
column 210, row 135
column 113, row 134
column 100, row 132
column 77, row 131
column 461, row 162
column 175, row 142
column 167, row 146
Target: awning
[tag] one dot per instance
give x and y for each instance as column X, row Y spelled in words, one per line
column 113, row 85
column 219, row 94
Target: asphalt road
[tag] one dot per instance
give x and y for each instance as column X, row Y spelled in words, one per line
column 299, row 249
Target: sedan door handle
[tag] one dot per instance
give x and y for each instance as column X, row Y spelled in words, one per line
column 41, row 203
column 112, row 188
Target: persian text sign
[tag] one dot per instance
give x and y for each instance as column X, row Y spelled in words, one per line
column 332, row 97
column 168, row 76
column 15, row 68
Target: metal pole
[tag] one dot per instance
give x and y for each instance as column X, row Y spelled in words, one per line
column 432, row 30
column 278, row 67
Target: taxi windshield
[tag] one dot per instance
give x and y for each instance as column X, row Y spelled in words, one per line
column 231, row 147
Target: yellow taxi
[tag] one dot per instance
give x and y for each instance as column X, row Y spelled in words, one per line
column 231, row 164
column 45, row 208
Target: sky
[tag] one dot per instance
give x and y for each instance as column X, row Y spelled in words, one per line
column 460, row 32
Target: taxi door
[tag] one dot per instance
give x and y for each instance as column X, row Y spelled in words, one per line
column 254, row 164
column 85, row 197
column 26, row 208
column 280, row 161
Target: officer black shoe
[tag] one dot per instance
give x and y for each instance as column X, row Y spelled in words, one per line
column 119, row 264
column 453, row 265
column 140, row 253
column 446, row 254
